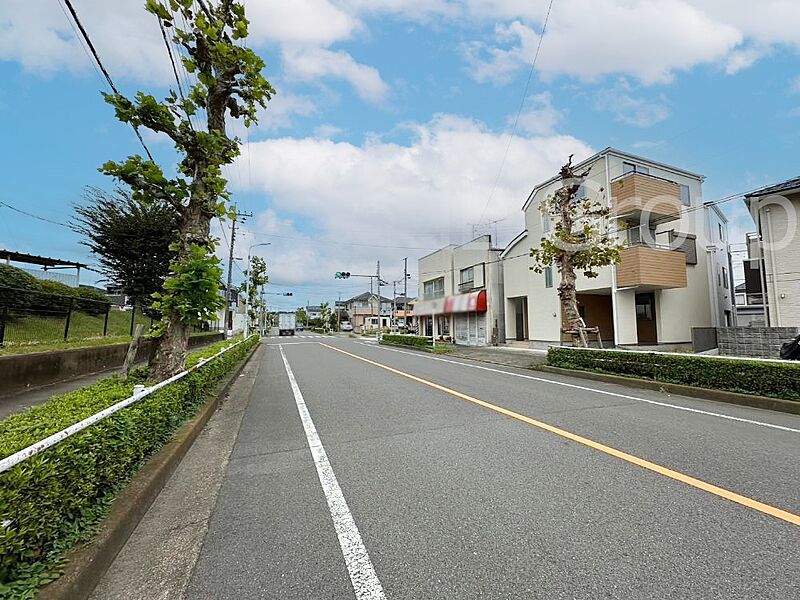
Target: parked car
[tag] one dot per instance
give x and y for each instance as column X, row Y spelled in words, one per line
column 346, row 326
column 300, row 327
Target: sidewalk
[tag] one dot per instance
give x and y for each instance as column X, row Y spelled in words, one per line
column 10, row 405
column 508, row 356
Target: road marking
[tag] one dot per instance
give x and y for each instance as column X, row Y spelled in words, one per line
column 362, row 574
column 604, row 392
column 630, row 458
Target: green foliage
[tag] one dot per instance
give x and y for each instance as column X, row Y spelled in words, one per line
column 416, row 341
column 192, row 292
column 131, row 239
column 301, row 316
column 17, row 288
column 20, row 291
column 772, row 379
column 53, row 497
column 257, row 277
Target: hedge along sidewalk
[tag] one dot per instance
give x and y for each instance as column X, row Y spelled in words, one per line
column 417, row 342
column 766, row 378
column 52, row 498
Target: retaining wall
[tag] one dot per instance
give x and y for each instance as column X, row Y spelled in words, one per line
column 762, row 342
column 21, row 372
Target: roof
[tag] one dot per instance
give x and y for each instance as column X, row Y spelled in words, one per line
column 621, row 154
column 366, row 296
column 314, row 308
column 785, row 186
column 520, row 236
column 33, row 259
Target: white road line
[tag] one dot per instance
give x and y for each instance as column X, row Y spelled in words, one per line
column 362, row 574
column 604, row 392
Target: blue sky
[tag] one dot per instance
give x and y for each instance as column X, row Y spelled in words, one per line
column 392, row 116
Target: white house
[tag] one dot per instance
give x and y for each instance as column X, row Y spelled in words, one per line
column 674, row 272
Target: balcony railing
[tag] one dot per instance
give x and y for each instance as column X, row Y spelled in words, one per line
column 466, row 286
column 637, row 193
column 651, row 267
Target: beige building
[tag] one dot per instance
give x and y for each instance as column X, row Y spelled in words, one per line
column 775, row 210
column 461, row 294
column 674, row 273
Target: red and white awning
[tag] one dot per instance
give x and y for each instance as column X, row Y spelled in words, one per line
column 460, row 303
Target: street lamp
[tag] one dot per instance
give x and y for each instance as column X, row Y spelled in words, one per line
column 246, row 283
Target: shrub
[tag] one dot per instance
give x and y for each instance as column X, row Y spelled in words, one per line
column 16, row 287
column 53, row 497
column 415, row 341
column 763, row 378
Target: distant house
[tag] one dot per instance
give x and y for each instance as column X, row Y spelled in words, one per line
column 775, row 210
column 366, row 315
column 403, row 311
column 749, row 295
column 314, row 312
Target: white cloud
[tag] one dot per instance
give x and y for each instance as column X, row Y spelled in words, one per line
column 420, row 195
column 629, row 109
column 327, row 131
column 542, row 117
column 308, row 22
column 312, row 64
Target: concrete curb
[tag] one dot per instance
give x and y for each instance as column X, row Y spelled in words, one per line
column 87, row 563
column 786, row 406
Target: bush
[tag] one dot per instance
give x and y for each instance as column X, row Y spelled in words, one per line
column 17, row 288
column 52, row 498
column 415, row 341
column 763, row 378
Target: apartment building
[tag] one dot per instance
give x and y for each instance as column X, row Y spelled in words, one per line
column 461, row 294
column 775, row 210
column 674, row 272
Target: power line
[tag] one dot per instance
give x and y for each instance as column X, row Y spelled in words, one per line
column 33, row 216
column 519, row 111
column 103, row 69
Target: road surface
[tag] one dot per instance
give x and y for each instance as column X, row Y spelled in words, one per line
column 368, row 472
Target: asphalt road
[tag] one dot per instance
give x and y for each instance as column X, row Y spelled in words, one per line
column 385, row 473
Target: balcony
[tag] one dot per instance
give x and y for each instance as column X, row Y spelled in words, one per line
column 651, row 268
column 637, row 193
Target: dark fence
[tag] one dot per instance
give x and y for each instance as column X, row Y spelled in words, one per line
column 32, row 317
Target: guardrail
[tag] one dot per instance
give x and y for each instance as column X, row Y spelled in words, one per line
column 34, row 449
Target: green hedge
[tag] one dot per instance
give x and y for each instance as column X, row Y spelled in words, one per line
column 762, row 378
column 54, row 498
column 416, row 341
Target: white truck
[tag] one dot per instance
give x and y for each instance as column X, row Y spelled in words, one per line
column 287, row 323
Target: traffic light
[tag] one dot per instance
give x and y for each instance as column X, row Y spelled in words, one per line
column 288, row 294
column 342, row 275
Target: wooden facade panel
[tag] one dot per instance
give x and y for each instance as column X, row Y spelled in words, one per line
column 636, row 192
column 651, row 267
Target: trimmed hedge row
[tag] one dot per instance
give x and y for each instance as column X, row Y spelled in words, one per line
column 416, row 341
column 762, row 378
column 49, row 500
column 20, row 291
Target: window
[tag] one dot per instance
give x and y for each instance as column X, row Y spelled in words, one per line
column 721, row 232
column 467, row 278
column 545, row 223
column 632, row 168
column 686, row 199
column 434, row 288
column 725, row 278
column 548, row 277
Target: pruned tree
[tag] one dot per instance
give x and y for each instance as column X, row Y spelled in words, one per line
column 301, row 316
column 579, row 241
column 325, row 309
column 229, row 84
column 131, row 239
column 256, row 277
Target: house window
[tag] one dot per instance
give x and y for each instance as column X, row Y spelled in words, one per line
column 545, row 223
column 686, row 199
column 434, row 288
column 633, row 168
column 467, row 278
column 721, row 232
column 725, row 278
column 548, row 277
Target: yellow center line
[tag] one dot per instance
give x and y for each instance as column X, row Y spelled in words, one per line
column 635, row 460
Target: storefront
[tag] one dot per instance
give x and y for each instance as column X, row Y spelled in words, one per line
column 466, row 313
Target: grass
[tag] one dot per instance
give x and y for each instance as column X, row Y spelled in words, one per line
column 45, row 334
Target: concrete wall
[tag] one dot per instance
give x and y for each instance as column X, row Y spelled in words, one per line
column 28, row 371
column 762, row 342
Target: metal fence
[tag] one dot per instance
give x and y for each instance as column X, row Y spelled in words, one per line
column 32, row 317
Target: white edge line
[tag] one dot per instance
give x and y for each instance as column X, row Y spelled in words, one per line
column 366, row 584
column 605, row 392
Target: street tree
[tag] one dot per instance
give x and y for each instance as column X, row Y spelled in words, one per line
column 255, row 279
column 301, row 316
column 579, row 240
column 229, row 85
column 325, row 309
column 131, row 239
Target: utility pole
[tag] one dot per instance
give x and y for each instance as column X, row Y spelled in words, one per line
column 339, row 313
column 394, row 302
column 228, row 317
column 405, row 293
column 378, row 279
